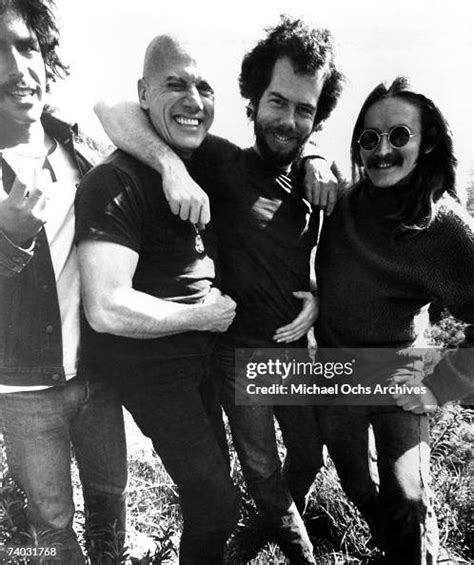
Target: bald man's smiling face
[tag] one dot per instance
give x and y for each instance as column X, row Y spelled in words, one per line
column 179, row 100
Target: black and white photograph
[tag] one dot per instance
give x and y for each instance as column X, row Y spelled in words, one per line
column 236, row 282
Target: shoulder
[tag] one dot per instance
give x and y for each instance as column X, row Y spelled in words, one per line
column 215, row 149
column 120, row 181
column 453, row 219
column 120, row 166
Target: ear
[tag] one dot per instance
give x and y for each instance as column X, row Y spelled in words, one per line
column 250, row 110
column 142, row 94
column 431, row 140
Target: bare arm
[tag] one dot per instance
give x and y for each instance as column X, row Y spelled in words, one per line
column 129, row 129
column 113, row 306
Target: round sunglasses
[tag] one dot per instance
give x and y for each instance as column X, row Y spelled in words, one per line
column 398, row 136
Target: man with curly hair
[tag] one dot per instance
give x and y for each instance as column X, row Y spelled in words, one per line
column 265, row 235
column 46, row 403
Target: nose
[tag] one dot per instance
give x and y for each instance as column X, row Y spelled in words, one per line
column 287, row 118
column 193, row 99
column 384, row 146
column 15, row 63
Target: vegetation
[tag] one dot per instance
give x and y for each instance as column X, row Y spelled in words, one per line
column 339, row 534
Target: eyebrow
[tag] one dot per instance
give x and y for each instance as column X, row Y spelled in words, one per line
column 23, row 42
column 199, row 82
column 175, row 78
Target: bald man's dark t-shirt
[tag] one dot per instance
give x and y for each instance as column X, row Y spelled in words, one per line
column 122, row 201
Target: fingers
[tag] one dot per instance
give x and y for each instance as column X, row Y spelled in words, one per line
column 303, row 294
column 34, row 197
column 291, row 332
column 194, row 211
column 413, row 403
column 184, row 211
column 331, row 201
column 205, row 215
column 213, row 295
column 174, row 206
column 290, row 335
column 302, row 323
column 314, row 192
column 18, row 191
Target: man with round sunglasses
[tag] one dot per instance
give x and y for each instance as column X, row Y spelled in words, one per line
column 397, row 136
column 405, row 240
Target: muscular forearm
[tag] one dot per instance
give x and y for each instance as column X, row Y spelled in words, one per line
column 129, row 129
column 130, row 313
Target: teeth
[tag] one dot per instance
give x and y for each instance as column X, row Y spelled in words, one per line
column 22, row 92
column 282, row 138
column 194, row 122
column 384, row 165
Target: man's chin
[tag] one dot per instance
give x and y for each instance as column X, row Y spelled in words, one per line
column 185, row 148
column 278, row 158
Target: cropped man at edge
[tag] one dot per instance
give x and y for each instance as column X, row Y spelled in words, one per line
column 265, row 235
column 153, row 309
column 46, row 403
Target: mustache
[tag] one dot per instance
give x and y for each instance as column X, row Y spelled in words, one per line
column 12, row 84
column 376, row 161
column 284, row 131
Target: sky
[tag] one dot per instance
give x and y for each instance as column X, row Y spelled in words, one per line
column 430, row 41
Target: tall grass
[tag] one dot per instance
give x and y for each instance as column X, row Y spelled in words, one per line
column 337, row 530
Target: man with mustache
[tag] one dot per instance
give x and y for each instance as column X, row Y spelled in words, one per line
column 405, row 241
column 265, row 233
column 46, row 403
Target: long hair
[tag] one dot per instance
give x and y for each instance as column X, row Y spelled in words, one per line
column 38, row 16
column 309, row 49
column 435, row 173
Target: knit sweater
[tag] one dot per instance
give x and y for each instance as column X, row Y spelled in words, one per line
column 374, row 281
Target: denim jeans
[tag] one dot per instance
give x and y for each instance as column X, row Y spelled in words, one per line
column 400, row 515
column 39, row 428
column 175, row 406
column 280, row 494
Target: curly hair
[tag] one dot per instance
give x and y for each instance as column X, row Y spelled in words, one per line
column 435, row 173
column 38, row 16
column 309, row 49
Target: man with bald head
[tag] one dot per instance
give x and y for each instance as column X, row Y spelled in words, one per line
column 152, row 310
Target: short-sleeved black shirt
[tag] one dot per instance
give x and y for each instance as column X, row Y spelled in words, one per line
column 265, row 232
column 122, row 201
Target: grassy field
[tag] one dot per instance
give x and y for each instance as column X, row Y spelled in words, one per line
column 338, row 533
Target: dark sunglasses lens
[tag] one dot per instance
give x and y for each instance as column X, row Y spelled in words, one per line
column 399, row 136
column 369, row 140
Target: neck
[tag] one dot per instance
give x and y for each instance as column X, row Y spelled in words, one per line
column 282, row 168
column 29, row 138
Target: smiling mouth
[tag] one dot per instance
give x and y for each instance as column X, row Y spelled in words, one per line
column 192, row 123
column 21, row 93
column 282, row 139
column 383, row 166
